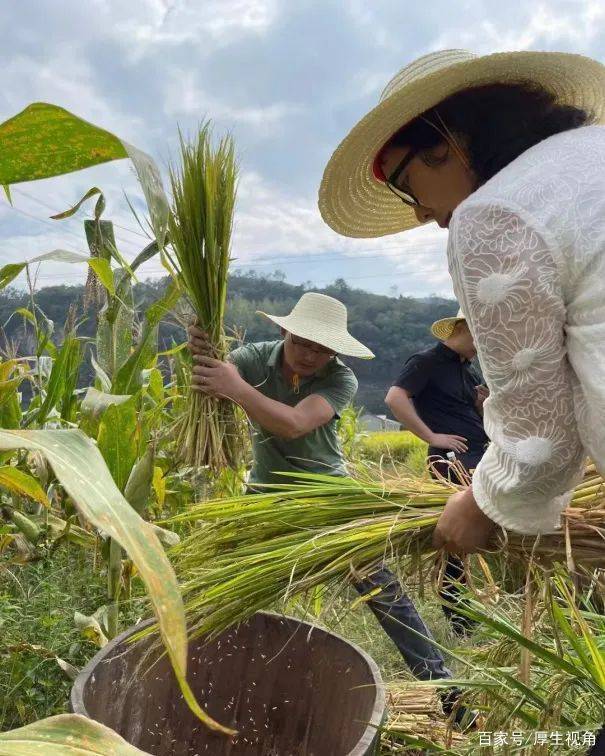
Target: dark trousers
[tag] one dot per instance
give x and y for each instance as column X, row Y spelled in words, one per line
column 397, row 615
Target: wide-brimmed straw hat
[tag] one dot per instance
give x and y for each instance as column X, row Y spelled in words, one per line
column 322, row 319
column 443, row 329
column 354, row 202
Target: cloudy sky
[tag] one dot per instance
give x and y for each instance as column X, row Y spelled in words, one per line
column 287, row 77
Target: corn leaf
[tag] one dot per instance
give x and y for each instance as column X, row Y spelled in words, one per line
column 65, row 735
column 61, row 381
column 103, row 270
column 90, row 629
column 26, row 314
column 74, row 209
column 146, row 254
column 117, row 440
column 96, row 402
column 139, row 485
column 9, row 272
column 101, row 375
column 45, row 140
column 80, row 468
column 22, row 483
column 114, row 329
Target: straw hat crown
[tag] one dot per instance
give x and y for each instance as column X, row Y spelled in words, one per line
column 355, row 203
column 423, row 67
column 323, row 320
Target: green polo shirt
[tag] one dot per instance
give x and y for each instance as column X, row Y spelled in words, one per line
column 260, row 365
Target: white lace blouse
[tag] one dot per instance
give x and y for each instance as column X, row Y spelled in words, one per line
column 527, row 256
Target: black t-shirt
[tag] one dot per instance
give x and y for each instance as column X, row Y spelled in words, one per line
column 443, row 391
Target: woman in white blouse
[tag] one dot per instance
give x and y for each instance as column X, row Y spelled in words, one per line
column 504, row 151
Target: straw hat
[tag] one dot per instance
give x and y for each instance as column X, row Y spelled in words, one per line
column 323, row 320
column 355, row 203
column 443, row 329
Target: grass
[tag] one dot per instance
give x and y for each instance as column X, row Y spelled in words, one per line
column 393, row 446
column 37, row 604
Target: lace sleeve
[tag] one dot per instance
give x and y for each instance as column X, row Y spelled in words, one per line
column 507, row 281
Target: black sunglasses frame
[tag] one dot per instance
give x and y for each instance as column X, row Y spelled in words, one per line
column 409, row 198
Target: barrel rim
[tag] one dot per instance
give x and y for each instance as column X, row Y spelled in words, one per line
column 365, row 742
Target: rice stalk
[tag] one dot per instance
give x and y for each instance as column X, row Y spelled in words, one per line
column 200, row 225
column 252, row 552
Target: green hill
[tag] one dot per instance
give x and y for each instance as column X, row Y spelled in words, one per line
column 392, row 327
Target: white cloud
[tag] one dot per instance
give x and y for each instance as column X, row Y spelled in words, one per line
column 184, row 96
column 153, row 24
column 542, row 25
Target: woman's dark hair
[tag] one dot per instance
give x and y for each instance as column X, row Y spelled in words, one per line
column 497, row 122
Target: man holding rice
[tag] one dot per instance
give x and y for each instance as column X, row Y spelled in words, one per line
column 292, row 390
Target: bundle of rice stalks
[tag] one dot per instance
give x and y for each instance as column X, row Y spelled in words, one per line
column 253, row 552
column 416, row 720
column 200, row 225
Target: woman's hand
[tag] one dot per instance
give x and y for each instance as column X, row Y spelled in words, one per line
column 216, row 378
column 463, row 528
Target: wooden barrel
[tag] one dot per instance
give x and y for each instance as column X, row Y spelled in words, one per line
column 289, row 689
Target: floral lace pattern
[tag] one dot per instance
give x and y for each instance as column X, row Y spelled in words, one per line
column 526, row 255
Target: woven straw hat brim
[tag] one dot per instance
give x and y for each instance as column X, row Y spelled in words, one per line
column 339, row 341
column 355, row 204
column 443, row 329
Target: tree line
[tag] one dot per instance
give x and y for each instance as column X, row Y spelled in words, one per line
column 392, row 327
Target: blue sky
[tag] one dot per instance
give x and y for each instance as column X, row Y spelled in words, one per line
column 287, row 77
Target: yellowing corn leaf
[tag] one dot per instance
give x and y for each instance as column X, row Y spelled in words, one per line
column 19, row 482
column 45, row 140
column 80, row 468
column 65, row 735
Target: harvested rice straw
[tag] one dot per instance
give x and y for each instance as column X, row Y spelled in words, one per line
column 253, row 552
column 211, row 432
column 414, row 710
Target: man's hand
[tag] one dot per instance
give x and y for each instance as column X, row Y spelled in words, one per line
column 216, row 378
column 198, row 341
column 463, row 528
column 482, row 394
column 448, row 441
